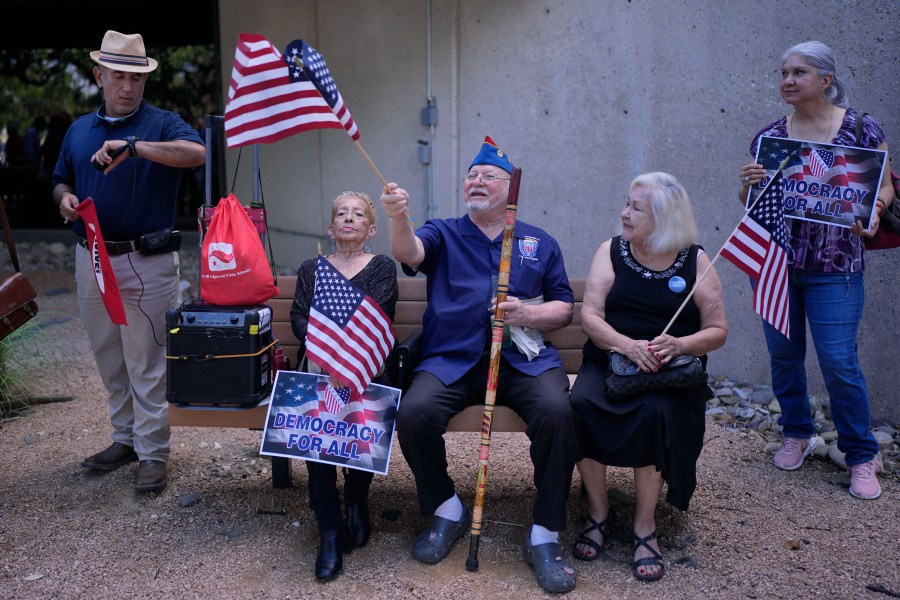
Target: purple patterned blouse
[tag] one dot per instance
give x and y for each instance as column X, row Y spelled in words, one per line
column 817, row 246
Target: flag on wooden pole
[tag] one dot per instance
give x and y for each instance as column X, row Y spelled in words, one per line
column 272, row 97
column 758, row 248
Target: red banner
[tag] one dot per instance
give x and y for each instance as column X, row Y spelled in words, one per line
column 103, row 271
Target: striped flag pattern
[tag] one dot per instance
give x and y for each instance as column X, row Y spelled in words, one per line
column 846, row 166
column 272, row 97
column 349, row 335
column 758, row 248
column 336, row 398
column 820, row 162
column 306, row 64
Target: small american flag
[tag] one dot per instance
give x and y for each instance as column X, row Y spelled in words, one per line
column 349, row 335
column 758, row 248
column 820, row 161
column 307, row 65
column 336, row 398
column 271, row 97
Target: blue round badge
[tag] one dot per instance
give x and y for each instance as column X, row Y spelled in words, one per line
column 677, row 284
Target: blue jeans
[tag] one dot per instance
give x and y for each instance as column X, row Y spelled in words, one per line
column 832, row 303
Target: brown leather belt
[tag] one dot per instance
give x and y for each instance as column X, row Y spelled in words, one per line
column 114, row 248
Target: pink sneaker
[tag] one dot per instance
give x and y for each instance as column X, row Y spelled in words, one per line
column 793, row 452
column 863, row 482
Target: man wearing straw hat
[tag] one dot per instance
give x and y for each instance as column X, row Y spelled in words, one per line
column 128, row 157
column 460, row 258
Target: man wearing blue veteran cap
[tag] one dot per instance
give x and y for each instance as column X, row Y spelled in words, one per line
column 460, row 258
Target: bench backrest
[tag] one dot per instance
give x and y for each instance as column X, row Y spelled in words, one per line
column 410, row 308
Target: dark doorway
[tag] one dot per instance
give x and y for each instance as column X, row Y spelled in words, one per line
column 60, row 32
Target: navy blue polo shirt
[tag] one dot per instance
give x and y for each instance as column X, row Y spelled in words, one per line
column 139, row 195
column 459, row 262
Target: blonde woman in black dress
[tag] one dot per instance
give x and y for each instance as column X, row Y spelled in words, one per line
column 635, row 285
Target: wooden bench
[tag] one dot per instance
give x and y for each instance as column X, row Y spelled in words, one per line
column 408, row 319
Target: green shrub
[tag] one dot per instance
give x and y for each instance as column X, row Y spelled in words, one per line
column 23, row 362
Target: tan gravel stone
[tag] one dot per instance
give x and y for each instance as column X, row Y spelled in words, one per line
column 752, row 531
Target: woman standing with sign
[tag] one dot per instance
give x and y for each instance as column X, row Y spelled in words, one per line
column 352, row 226
column 826, row 265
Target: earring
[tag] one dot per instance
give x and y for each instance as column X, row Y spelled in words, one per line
column 333, row 246
column 367, row 248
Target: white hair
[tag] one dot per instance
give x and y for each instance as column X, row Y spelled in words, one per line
column 674, row 225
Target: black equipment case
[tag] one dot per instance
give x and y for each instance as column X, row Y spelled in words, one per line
column 219, row 355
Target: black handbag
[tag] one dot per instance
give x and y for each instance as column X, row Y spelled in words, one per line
column 17, row 296
column 624, row 379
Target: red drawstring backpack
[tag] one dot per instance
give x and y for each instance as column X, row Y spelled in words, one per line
column 233, row 266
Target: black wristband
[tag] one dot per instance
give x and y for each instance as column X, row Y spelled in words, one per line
column 132, row 148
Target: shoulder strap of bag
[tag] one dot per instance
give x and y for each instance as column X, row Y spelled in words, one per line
column 894, row 179
column 10, row 244
column 860, row 116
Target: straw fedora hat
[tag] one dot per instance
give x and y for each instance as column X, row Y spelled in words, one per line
column 123, row 53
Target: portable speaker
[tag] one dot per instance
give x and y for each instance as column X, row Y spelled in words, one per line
column 219, row 355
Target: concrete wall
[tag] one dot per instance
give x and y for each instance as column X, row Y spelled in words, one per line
column 584, row 95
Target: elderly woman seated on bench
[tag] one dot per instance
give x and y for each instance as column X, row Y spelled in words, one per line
column 352, row 226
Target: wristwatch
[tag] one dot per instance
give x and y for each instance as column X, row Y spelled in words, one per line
column 131, row 141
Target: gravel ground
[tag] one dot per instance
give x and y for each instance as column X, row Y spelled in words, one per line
column 752, row 531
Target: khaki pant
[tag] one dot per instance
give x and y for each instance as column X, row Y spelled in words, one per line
column 131, row 359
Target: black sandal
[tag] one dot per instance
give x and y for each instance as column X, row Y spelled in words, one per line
column 648, row 561
column 603, row 528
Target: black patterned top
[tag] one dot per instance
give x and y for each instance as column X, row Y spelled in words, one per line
column 641, row 302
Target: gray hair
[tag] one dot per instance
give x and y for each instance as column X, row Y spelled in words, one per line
column 674, row 225
column 821, row 57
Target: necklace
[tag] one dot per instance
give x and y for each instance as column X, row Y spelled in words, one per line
column 626, row 251
column 826, row 131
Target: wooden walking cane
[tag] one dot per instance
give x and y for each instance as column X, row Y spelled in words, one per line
column 490, row 395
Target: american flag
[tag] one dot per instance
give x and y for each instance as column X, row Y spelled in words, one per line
column 272, row 97
column 336, row 398
column 820, row 161
column 758, row 248
column 308, row 65
column 349, row 335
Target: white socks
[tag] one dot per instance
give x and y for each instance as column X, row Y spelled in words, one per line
column 451, row 509
column 542, row 535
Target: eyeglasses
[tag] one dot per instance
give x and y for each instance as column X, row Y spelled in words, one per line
column 485, row 177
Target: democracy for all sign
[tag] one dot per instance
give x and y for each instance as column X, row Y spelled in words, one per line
column 311, row 420
column 833, row 184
